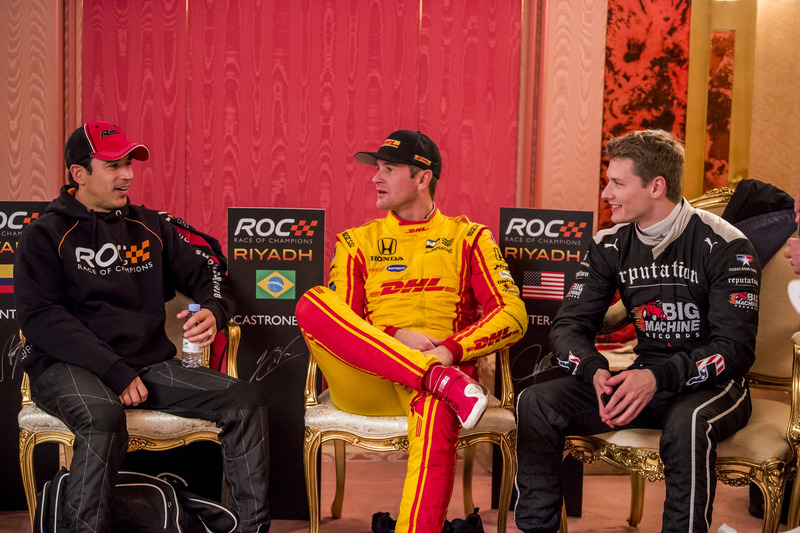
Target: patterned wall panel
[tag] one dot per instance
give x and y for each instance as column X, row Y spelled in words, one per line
column 774, row 154
column 647, row 50
column 133, row 59
column 282, row 95
column 264, row 103
column 31, row 168
column 469, row 84
column 569, row 119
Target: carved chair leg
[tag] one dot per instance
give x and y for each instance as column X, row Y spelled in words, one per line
column 469, row 463
column 27, row 441
column 310, row 451
column 637, row 499
column 793, row 520
column 506, row 482
column 68, row 452
column 773, row 503
column 340, row 456
column 562, row 528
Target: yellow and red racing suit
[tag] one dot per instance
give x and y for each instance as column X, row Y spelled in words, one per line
column 444, row 277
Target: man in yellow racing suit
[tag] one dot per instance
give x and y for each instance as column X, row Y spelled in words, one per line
column 413, row 300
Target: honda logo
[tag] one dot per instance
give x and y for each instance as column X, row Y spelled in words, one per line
column 387, row 246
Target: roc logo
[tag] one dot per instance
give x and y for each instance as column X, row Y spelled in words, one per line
column 137, row 254
column 571, row 229
column 303, row 228
column 17, row 219
column 275, row 284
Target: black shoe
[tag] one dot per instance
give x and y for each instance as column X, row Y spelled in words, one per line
column 471, row 524
column 383, row 523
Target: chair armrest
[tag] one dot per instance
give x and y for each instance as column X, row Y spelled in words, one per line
column 793, row 431
column 506, row 385
column 310, row 391
column 615, row 318
column 234, row 334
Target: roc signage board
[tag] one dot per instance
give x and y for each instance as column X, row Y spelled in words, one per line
column 543, row 248
column 274, row 256
column 14, row 217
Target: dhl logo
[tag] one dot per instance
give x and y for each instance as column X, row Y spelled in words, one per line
column 422, row 159
column 412, row 285
column 494, row 338
column 391, row 142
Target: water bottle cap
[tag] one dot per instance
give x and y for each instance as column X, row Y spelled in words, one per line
column 194, row 308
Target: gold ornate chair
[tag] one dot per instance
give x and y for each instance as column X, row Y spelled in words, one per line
column 324, row 422
column 765, row 451
column 147, row 430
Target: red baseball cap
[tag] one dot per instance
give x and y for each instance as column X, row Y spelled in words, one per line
column 101, row 140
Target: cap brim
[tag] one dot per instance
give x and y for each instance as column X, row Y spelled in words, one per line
column 137, row 151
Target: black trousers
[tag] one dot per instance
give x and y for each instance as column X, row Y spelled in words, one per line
column 97, row 418
column 692, row 423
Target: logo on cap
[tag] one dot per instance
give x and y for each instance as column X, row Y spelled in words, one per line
column 422, row 160
column 391, row 142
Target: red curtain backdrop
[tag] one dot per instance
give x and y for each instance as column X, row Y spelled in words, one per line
column 264, row 102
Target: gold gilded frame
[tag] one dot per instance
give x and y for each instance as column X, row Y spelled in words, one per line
column 708, row 16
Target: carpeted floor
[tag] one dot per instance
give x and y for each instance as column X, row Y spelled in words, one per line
column 374, row 483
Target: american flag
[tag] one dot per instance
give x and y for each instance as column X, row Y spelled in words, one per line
column 543, row 285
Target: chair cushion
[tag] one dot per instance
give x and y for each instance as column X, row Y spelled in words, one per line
column 153, row 425
column 326, row 417
column 763, row 438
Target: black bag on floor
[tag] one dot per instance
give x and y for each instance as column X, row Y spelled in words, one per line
column 141, row 504
column 215, row 517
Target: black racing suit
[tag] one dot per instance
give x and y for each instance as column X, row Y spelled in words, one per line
column 693, row 297
column 90, row 290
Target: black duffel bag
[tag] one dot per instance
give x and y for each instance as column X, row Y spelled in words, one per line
column 141, row 504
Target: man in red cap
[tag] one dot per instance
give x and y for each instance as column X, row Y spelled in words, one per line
column 91, row 279
column 413, row 300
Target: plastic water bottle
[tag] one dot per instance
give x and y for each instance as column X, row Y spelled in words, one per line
column 191, row 354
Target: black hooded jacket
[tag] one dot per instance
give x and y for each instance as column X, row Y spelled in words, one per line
column 90, row 288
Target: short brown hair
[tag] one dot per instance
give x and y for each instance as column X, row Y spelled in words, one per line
column 654, row 153
column 431, row 185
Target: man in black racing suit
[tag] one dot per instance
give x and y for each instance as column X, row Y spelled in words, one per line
column 690, row 283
